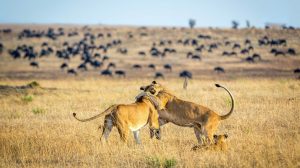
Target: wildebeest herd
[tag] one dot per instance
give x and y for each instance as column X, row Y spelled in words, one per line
column 97, row 50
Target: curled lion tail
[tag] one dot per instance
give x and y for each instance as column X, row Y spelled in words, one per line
column 107, row 111
column 232, row 103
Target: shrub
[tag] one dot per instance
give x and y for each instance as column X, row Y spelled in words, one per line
column 33, row 84
column 38, row 111
column 27, row 98
column 156, row 162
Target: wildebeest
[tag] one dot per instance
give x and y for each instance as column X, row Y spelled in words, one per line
column 120, row 73
column 236, row 46
column 111, row 65
column 225, row 53
column 245, row 51
column 1, row 48
column 249, row 59
column 196, row 57
column 105, row 57
column 279, row 53
column 256, row 56
column 219, row 69
column 137, row 66
column 159, row 75
column 96, row 63
column 297, row 70
column 97, row 55
column 82, row 67
column 72, row 71
column 142, row 53
column 152, row 66
column 34, row 64
column 186, row 73
column 189, row 54
column 63, row 66
column 291, row 51
column 168, row 67
column 106, row 72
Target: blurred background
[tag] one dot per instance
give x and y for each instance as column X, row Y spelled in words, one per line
column 219, row 13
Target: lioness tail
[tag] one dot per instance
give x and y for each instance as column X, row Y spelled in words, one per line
column 232, row 103
column 107, row 111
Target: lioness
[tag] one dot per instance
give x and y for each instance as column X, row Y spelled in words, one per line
column 130, row 117
column 188, row 114
column 219, row 144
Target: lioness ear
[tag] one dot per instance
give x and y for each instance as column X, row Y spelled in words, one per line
column 142, row 87
column 154, row 82
column 225, row 135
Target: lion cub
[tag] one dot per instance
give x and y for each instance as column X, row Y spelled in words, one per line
column 219, row 144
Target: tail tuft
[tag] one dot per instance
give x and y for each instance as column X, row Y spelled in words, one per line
column 74, row 114
column 217, row 85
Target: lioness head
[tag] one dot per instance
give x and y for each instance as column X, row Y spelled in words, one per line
column 154, row 88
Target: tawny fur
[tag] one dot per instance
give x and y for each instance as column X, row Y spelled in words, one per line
column 128, row 117
column 188, row 114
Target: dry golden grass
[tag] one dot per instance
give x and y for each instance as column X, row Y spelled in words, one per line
column 37, row 128
column 263, row 130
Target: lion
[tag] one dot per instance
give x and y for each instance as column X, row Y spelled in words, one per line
column 188, row 114
column 130, row 117
column 218, row 145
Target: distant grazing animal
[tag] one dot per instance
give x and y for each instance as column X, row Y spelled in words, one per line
column 297, row 70
column 106, row 73
column 97, row 55
column 279, row 53
column 291, row 51
column 142, row 53
column 72, row 71
column 219, row 69
column 256, row 56
column 96, row 63
column 1, row 48
column 137, row 66
column 130, row 117
column 196, row 57
column 63, row 66
column 249, row 59
column 34, row 64
column 152, row 66
column 111, row 65
column 186, row 74
column 159, row 75
column 247, row 42
column 225, row 53
column 120, row 73
column 236, row 46
column 168, row 67
column 82, row 67
column 189, row 54
column 245, row 51
column 105, row 58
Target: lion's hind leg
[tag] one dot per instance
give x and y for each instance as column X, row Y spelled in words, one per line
column 136, row 136
column 108, row 125
column 123, row 131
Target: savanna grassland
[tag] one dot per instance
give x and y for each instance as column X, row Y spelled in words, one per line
column 37, row 128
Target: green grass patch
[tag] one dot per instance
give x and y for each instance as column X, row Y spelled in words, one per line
column 157, row 162
column 38, row 111
column 27, row 98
